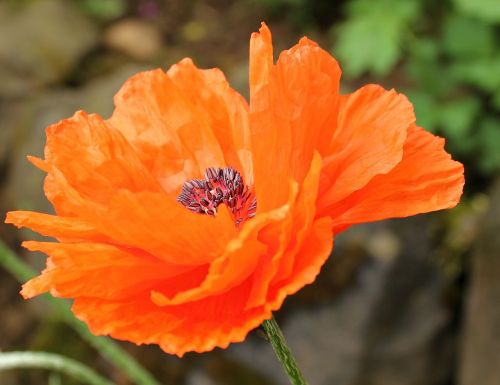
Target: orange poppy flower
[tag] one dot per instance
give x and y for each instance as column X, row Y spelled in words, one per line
column 186, row 218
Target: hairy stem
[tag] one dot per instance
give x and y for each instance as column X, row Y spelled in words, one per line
column 283, row 352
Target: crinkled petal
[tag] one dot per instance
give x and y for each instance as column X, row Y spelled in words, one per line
column 225, row 110
column 426, row 179
column 286, row 238
column 102, row 271
column 95, row 158
column 166, row 128
column 368, row 141
column 68, row 228
column 156, row 223
column 196, row 326
column 293, row 112
column 238, row 261
column 151, row 221
column 66, row 199
column 39, row 163
column 316, row 249
column 261, row 60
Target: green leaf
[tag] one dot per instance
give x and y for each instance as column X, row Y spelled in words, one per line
column 487, row 10
column 105, row 9
column 481, row 72
column 426, row 69
column 489, row 138
column 467, row 37
column 456, row 117
column 425, row 109
column 371, row 37
column 496, row 100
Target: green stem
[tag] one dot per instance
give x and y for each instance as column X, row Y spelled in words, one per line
column 106, row 347
column 283, row 352
column 49, row 361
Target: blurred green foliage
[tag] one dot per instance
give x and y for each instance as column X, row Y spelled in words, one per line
column 302, row 14
column 104, row 9
column 448, row 55
column 372, row 36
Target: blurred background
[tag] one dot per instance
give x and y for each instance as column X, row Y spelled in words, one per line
column 401, row 302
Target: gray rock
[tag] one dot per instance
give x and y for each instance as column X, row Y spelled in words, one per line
column 197, row 377
column 480, row 358
column 406, row 340
column 137, row 38
column 40, row 43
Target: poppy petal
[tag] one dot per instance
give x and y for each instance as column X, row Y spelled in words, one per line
column 128, row 217
column 95, row 158
column 39, row 163
column 261, row 60
column 293, row 111
column 179, row 236
column 166, row 128
column 67, row 201
column 286, row 239
column 98, row 270
column 196, row 326
column 426, row 179
column 368, row 141
column 316, row 250
column 225, row 110
column 54, row 226
column 238, row 261
column 303, row 217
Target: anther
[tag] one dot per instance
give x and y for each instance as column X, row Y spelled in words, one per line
column 221, row 185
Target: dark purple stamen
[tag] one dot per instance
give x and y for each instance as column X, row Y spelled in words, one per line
column 221, row 185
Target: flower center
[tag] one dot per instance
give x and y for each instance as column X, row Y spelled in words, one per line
column 221, row 185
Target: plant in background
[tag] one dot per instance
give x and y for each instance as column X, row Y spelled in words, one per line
column 186, row 218
column 449, row 58
column 104, row 9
